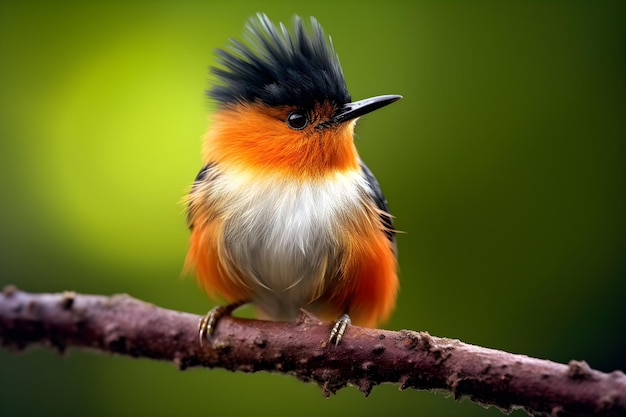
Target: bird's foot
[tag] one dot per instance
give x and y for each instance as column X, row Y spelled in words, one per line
column 208, row 322
column 339, row 328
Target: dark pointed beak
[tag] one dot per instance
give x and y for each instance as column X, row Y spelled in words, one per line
column 351, row 111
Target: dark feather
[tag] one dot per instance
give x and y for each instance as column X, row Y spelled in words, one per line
column 381, row 202
column 202, row 175
column 280, row 67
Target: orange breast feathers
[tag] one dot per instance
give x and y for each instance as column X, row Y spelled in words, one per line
column 286, row 220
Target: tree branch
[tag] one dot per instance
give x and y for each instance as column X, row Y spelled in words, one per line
column 365, row 358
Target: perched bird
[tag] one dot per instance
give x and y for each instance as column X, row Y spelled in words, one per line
column 284, row 214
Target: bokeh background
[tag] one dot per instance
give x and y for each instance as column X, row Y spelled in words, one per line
column 504, row 165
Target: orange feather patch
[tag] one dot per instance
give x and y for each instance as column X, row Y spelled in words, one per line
column 205, row 260
column 369, row 285
column 256, row 137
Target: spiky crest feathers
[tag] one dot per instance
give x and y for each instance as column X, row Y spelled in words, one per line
column 279, row 67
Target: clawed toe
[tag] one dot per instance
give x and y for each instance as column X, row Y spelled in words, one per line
column 209, row 321
column 339, row 328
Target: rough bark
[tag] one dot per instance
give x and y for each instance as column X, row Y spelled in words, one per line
column 365, row 358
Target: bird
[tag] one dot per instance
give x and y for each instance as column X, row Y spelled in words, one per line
column 284, row 214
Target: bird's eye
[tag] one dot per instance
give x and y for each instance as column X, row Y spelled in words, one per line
column 297, row 120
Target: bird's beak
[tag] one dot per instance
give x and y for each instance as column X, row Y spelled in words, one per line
column 351, row 111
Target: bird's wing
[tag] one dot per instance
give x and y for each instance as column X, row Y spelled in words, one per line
column 192, row 199
column 381, row 202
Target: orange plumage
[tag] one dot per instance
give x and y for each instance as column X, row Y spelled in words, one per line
column 284, row 214
column 254, row 136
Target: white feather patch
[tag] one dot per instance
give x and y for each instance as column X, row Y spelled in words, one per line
column 284, row 235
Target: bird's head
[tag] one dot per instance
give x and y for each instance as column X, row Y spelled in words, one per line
column 283, row 102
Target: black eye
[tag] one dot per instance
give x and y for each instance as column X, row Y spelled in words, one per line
column 297, row 120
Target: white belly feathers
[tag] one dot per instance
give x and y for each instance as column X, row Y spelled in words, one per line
column 284, row 236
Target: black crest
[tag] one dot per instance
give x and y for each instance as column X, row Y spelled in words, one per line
column 280, row 67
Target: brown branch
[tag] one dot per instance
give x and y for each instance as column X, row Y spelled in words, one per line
column 365, row 357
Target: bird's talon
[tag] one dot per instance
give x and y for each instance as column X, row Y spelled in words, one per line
column 339, row 328
column 209, row 321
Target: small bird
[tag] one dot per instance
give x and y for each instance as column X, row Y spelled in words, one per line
column 284, row 214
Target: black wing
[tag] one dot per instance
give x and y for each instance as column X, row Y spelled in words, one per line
column 381, row 202
column 200, row 178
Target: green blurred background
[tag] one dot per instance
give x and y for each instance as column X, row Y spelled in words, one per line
column 504, row 165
